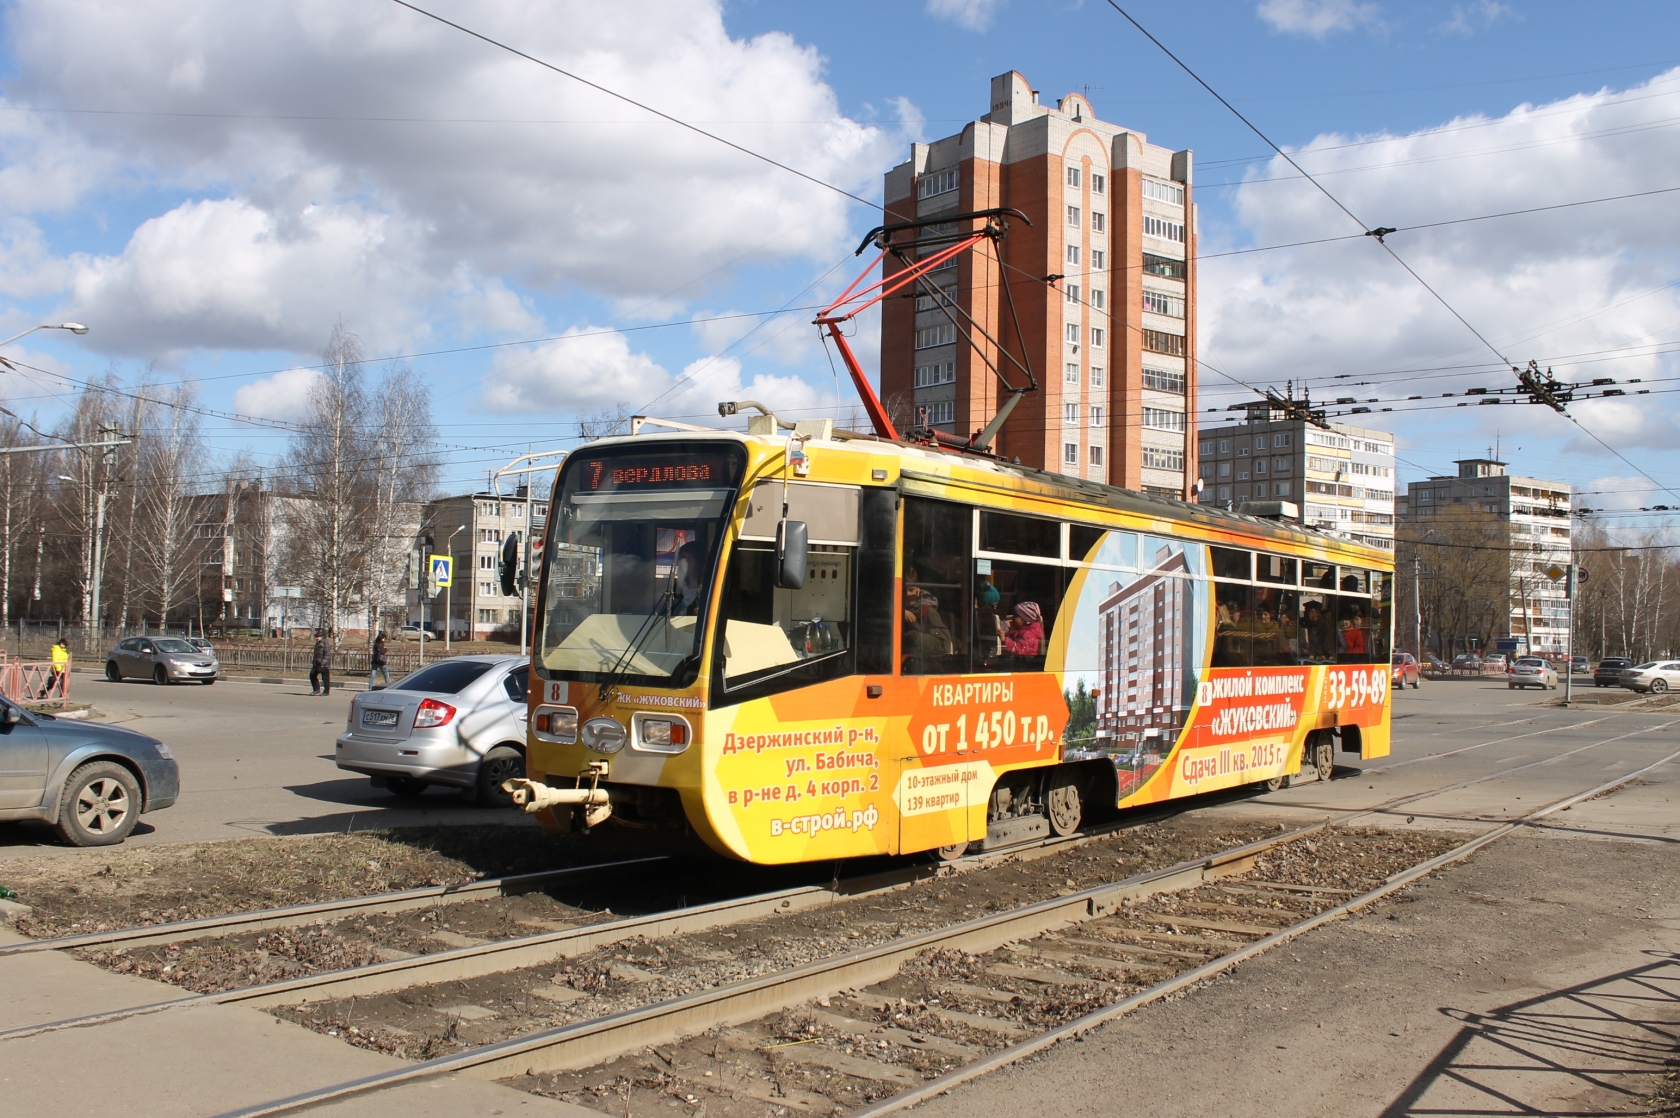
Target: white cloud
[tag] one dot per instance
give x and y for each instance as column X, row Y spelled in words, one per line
column 285, row 395
column 976, row 15
column 1317, row 18
column 1583, row 290
column 1467, row 19
column 376, row 151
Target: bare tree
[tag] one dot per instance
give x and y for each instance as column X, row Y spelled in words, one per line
column 22, row 485
column 329, row 528
column 88, row 475
column 606, row 423
column 171, row 456
column 1465, row 577
column 403, row 471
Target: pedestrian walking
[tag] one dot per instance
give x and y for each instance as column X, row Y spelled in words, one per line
column 320, row 665
column 377, row 662
column 60, row 670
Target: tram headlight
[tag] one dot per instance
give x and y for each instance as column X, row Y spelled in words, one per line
column 661, row 733
column 557, row 723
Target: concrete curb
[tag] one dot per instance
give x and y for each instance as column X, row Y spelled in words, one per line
column 282, row 681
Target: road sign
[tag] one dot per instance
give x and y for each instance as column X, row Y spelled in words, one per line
column 1555, row 572
column 442, row 570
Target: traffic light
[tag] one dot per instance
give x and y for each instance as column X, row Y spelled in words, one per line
column 510, row 565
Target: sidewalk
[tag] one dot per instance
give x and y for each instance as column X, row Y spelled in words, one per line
column 199, row 1062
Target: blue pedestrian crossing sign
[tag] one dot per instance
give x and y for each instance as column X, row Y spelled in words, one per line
column 442, row 570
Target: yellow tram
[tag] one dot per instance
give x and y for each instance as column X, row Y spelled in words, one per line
column 821, row 645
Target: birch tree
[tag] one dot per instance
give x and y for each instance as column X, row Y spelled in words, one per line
column 170, row 460
column 404, row 468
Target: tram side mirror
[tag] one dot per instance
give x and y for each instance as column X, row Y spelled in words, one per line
column 791, row 549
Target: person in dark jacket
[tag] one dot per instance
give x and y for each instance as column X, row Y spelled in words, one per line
column 378, row 660
column 320, row 666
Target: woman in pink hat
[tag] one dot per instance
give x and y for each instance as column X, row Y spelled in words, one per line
column 1025, row 638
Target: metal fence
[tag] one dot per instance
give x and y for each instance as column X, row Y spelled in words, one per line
column 25, row 681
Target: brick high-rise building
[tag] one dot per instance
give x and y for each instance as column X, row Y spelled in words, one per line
column 1112, row 340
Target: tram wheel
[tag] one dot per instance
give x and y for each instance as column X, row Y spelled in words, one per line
column 1275, row 784
column 1324, row 756
column 1063, row 802
column 950, row 853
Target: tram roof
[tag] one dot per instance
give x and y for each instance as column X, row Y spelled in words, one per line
column 1060, row 486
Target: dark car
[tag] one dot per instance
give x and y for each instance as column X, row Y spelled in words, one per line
column 1609, row 671
column 91, row 782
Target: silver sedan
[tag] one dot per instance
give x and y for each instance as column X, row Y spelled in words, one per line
column 1531, row 671
column 458, row 722
column 161, row 660
column 1656, row 677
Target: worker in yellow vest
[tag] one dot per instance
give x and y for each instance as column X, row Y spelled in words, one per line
column 60, row 669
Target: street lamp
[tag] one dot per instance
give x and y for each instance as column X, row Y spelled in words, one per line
column 73, row 327
column 448, row 615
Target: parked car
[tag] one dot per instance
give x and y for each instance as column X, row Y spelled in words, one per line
column 90, row 781
column 1531, row 671
column 458, row 722
column 1494, row 660
column 1467, row 661
column 1656, row 677
column 162, row 660
column 1405, row 670
column 1579, row 666
column 414, row 633
column 202, row 644
column 1609, row 671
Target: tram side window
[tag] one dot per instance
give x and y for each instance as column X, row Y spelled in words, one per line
column 1083, row 539
column 779, row 639
column 1382, row 617
column 1275, row 568
column 1273, row 625
column 1228, row 562
column 936, row 605
column 1353, row 629
column 1015, row 607
column 1315, row 641
column 1020, row 535
column 1233, row 640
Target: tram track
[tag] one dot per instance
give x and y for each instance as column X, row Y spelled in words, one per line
column 1300, row 905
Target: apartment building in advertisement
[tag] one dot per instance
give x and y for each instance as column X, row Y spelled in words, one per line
column 1103, row 286
column 1143, row 648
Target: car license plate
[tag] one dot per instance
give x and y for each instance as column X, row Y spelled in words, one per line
column 379, row 718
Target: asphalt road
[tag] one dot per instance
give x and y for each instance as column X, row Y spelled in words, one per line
column 256, row 759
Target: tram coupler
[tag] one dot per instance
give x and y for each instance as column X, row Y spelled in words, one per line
column 535, row 797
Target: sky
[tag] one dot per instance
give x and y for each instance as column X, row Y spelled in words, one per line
column 212, row 186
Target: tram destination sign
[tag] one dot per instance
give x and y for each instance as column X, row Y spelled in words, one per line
column 623, row 473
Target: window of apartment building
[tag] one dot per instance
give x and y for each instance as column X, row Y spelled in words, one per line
column 943, row 334
column 1224, row 446
column 1096, row 337
column 1159, row 341
column 1099, row 184
column 1099, row 298
column 1280, row 465
column 1224, row 492
column 486, row 562
column 1259, row 466
column 539, row 512
column 937, row 182
column 940, row 372
column 1096, row 415
column 1070, row 373
column 1280, row 489
column 1242, row 452
column 1161, row 303
column 1205, row 446
column 1073, row 216
column 1283, row 439
column 1164, row 380
column 1072, row 292
column 1096, row 376
column 1260, row 442
column 1073, row 254
column 1224, row 469
column 1099, row 222
column 488, row 508
column 1160, row 458
column 1164, row 266
column 1073, row 332
column 1160, row 227
column 1096, row 456
column 489, row 535
column 486, row 590
column 1073, row 176
column 1070, row 453
column 517, row 512
column 1098, row 256
column 1070, row 414
column 934, row 300
column 1206, row 469
column 940, row 411
column 1170, row 192
column 487, row 616
column 1163, row 419
column 1242, row 475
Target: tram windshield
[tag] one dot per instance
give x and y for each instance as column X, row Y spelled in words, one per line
column 634, row 538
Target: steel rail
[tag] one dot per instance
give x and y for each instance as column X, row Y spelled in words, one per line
column 296, row 915
column 1091, row 1021
column 585, row 1043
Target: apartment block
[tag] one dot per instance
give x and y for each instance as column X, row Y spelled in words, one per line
column 1537, row 513
column 471, row 528
column 1340, row 480
column 1102, row 282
